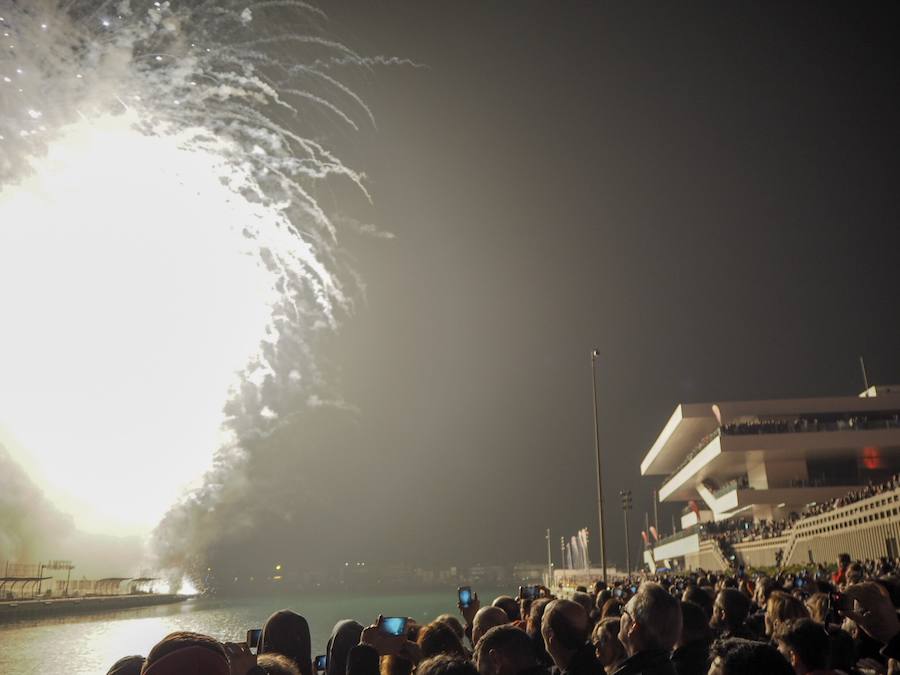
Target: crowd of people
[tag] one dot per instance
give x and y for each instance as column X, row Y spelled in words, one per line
column 807, row 423
column 870, row 490
column 736, row 530
column 795, row 425
column 691, row 624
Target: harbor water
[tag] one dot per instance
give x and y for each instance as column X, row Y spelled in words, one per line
column 90, row 644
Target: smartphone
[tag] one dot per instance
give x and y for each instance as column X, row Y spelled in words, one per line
column 253, row 636
column 633, row 589
column 322, row 663
column 529, row 592
column 617, row 592
column 465, row 596
column 394, row 625
column 799, row 582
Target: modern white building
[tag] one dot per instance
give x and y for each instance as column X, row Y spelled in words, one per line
column 768, row 461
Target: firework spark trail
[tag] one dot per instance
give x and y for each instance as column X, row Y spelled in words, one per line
column 124, row 120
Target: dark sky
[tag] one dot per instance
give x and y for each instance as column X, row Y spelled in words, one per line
column 704, row 191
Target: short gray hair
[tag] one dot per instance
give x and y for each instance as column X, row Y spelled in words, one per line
column 658, row 614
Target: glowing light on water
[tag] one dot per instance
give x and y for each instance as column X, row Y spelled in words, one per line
column 156, row 254
column 183, row 586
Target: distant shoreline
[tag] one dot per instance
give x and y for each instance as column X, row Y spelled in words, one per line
column 38, row 608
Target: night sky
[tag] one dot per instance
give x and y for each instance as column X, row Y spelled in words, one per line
column 705, row 192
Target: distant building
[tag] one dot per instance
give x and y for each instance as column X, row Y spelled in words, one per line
column 529, row 573
column 488, row 574
column 767, row 461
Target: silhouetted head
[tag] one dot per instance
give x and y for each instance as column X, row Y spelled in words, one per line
column 694, row 624
column 454, row 623
column 737, row 656
column 611, row 608
column 804, row 643
column 783, row 607
column 344, row 636
column 438, row 638
column 485, row 619
column 699, row 596
column 446, row 665
column 565, row 628
column 185, row 653
column 287, row 633
column 504, row 650
column 129, row 665
column 730, row 609
column 509, row 605
column 584, row 600
column 650, row 620
column 276, row 664
column 535, row 615
column 607, row 648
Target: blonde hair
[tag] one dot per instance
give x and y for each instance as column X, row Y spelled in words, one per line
column 782, row 607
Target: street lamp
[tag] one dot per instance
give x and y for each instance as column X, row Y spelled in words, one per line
column 626, row 507
column 549, row 562
column 595, row 354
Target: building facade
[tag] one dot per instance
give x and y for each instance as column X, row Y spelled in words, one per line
column 752, row 470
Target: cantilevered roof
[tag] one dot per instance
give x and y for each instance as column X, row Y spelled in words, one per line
column 691, row 422
column 686, row 427
column 739, row 410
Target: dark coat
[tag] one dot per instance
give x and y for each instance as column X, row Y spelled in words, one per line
column 651, row 662
column 692, row 658
column 584, row 662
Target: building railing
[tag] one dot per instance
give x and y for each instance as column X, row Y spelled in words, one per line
column 706, row 440
column 739, row 483
column 863, row 527
column 681, row 534
column 813, row 423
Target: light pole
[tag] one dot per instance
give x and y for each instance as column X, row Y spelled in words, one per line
column 549, row 562
column 595, row 354
column 656, row 511
column 626, row 507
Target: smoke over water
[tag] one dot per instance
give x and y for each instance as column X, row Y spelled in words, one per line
column 167, row 263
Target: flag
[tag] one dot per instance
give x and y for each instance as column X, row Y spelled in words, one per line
column 695, row 508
